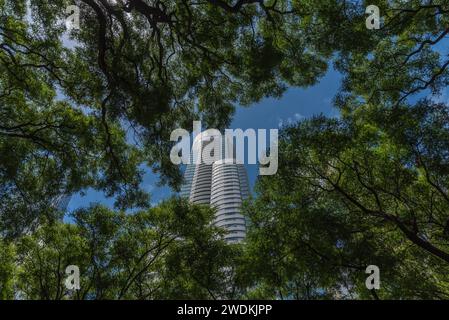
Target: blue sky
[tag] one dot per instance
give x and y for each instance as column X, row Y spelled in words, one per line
column 270, row 113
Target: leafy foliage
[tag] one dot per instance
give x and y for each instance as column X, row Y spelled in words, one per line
column 85, row 108
column 167, row 252
column 370, row 188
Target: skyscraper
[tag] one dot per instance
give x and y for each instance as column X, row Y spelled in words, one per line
column 222, row 184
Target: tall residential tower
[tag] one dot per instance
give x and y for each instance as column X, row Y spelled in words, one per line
column 222, row 184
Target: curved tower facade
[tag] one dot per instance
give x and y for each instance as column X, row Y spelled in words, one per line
column 223, row 185
column 201, row 184
column 229, row 189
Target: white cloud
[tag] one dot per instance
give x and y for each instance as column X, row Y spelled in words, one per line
column 290, row 120
column 280, row 122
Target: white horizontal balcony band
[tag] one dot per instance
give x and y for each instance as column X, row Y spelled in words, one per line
column 227, row 201
column 222, row 221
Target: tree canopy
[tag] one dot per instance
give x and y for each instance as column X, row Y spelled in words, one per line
column 351, row 192
column 87, row 107
column 167, row 252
